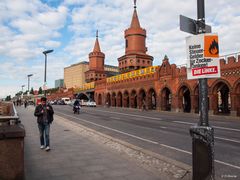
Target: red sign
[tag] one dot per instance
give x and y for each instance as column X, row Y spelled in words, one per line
column 205, row 70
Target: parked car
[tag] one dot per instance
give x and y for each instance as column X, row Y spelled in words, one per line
column 61, row 102
column 66, row 100
column 91, row 104
column 83, row 102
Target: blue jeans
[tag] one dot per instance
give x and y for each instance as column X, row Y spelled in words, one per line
column 44, row 130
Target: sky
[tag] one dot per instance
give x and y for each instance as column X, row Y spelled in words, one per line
column 28, row 27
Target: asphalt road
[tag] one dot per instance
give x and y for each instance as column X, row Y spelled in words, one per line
column 164, row 133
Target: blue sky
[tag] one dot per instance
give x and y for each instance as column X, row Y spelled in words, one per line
column 28, row 27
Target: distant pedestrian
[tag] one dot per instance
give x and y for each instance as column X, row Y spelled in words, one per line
column 44, row 113
column 25, row 103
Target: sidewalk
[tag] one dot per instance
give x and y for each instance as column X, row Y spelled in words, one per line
column 73, row 157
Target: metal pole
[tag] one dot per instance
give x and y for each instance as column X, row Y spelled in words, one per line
column 45, row 74
column 203, row 134
column 203, row 86
column 28, row 82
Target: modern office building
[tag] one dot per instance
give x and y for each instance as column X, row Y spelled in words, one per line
column 59, row 83
column 74, row 75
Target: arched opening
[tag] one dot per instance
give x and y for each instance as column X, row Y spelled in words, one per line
column 166, row 98
column 100, row 99
column 152, row 102
column 82, row 96
column 108, row 99
column 133, row 100
column 223, row 101
column 119, row 99
column 184, row 99
column 114, row 101
column 142, row 98
column 238, row 98
column 126, row 101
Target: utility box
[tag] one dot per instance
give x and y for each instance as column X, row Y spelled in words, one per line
column 12, row 135
column 202, row 152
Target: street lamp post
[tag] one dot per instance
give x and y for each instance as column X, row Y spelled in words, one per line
column 29, row 75
column 22, row 90
column 45, row 70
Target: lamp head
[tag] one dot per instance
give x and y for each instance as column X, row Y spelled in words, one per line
column 47, row 51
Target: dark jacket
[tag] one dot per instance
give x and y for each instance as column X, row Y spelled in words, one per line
column 39, row 114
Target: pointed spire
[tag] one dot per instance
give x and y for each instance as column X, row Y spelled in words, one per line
column 96, row 46
column 135, row 22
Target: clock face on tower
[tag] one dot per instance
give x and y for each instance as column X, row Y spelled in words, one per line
column 131, row 61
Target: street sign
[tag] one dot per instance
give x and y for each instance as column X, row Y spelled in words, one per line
column 188, row 25
column 202, row 54
column 192, row 26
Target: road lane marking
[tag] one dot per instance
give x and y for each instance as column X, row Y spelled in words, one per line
column 230, row 129
column 177, row 149
column 187, row 152
column 146, row 140
column 182, row 122
column 121, row 132
column 226, row 139
column 133, row 115
column 227, row 164
column 217, row 127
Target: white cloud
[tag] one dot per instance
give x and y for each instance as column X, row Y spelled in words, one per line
column 52, row 44
column 29, row 27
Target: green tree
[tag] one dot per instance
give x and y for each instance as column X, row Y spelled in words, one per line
column 40, row 91
column 25, row 92
column 19, row 93
column 8, row 98
column 31, row 91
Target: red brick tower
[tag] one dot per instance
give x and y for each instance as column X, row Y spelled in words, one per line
column 96, row 63
column 135, row 47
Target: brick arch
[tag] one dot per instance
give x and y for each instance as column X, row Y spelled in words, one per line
column 195, row 98
column 96, row 97
column 220, row 101
column 126, row 99
column 184, row 93
column 119, row 99
column 166, row 99
column 236, row 97
column 99, row 98
column 83, row 96
column 142, row 97
column 236, row 86
column 182, row 85
column 108, row 99
column 213, row 86
column 114, row 99
column 151, row 98
column 133, row 99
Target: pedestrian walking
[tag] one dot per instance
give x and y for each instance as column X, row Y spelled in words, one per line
column 44, row 113
column 25, row 103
